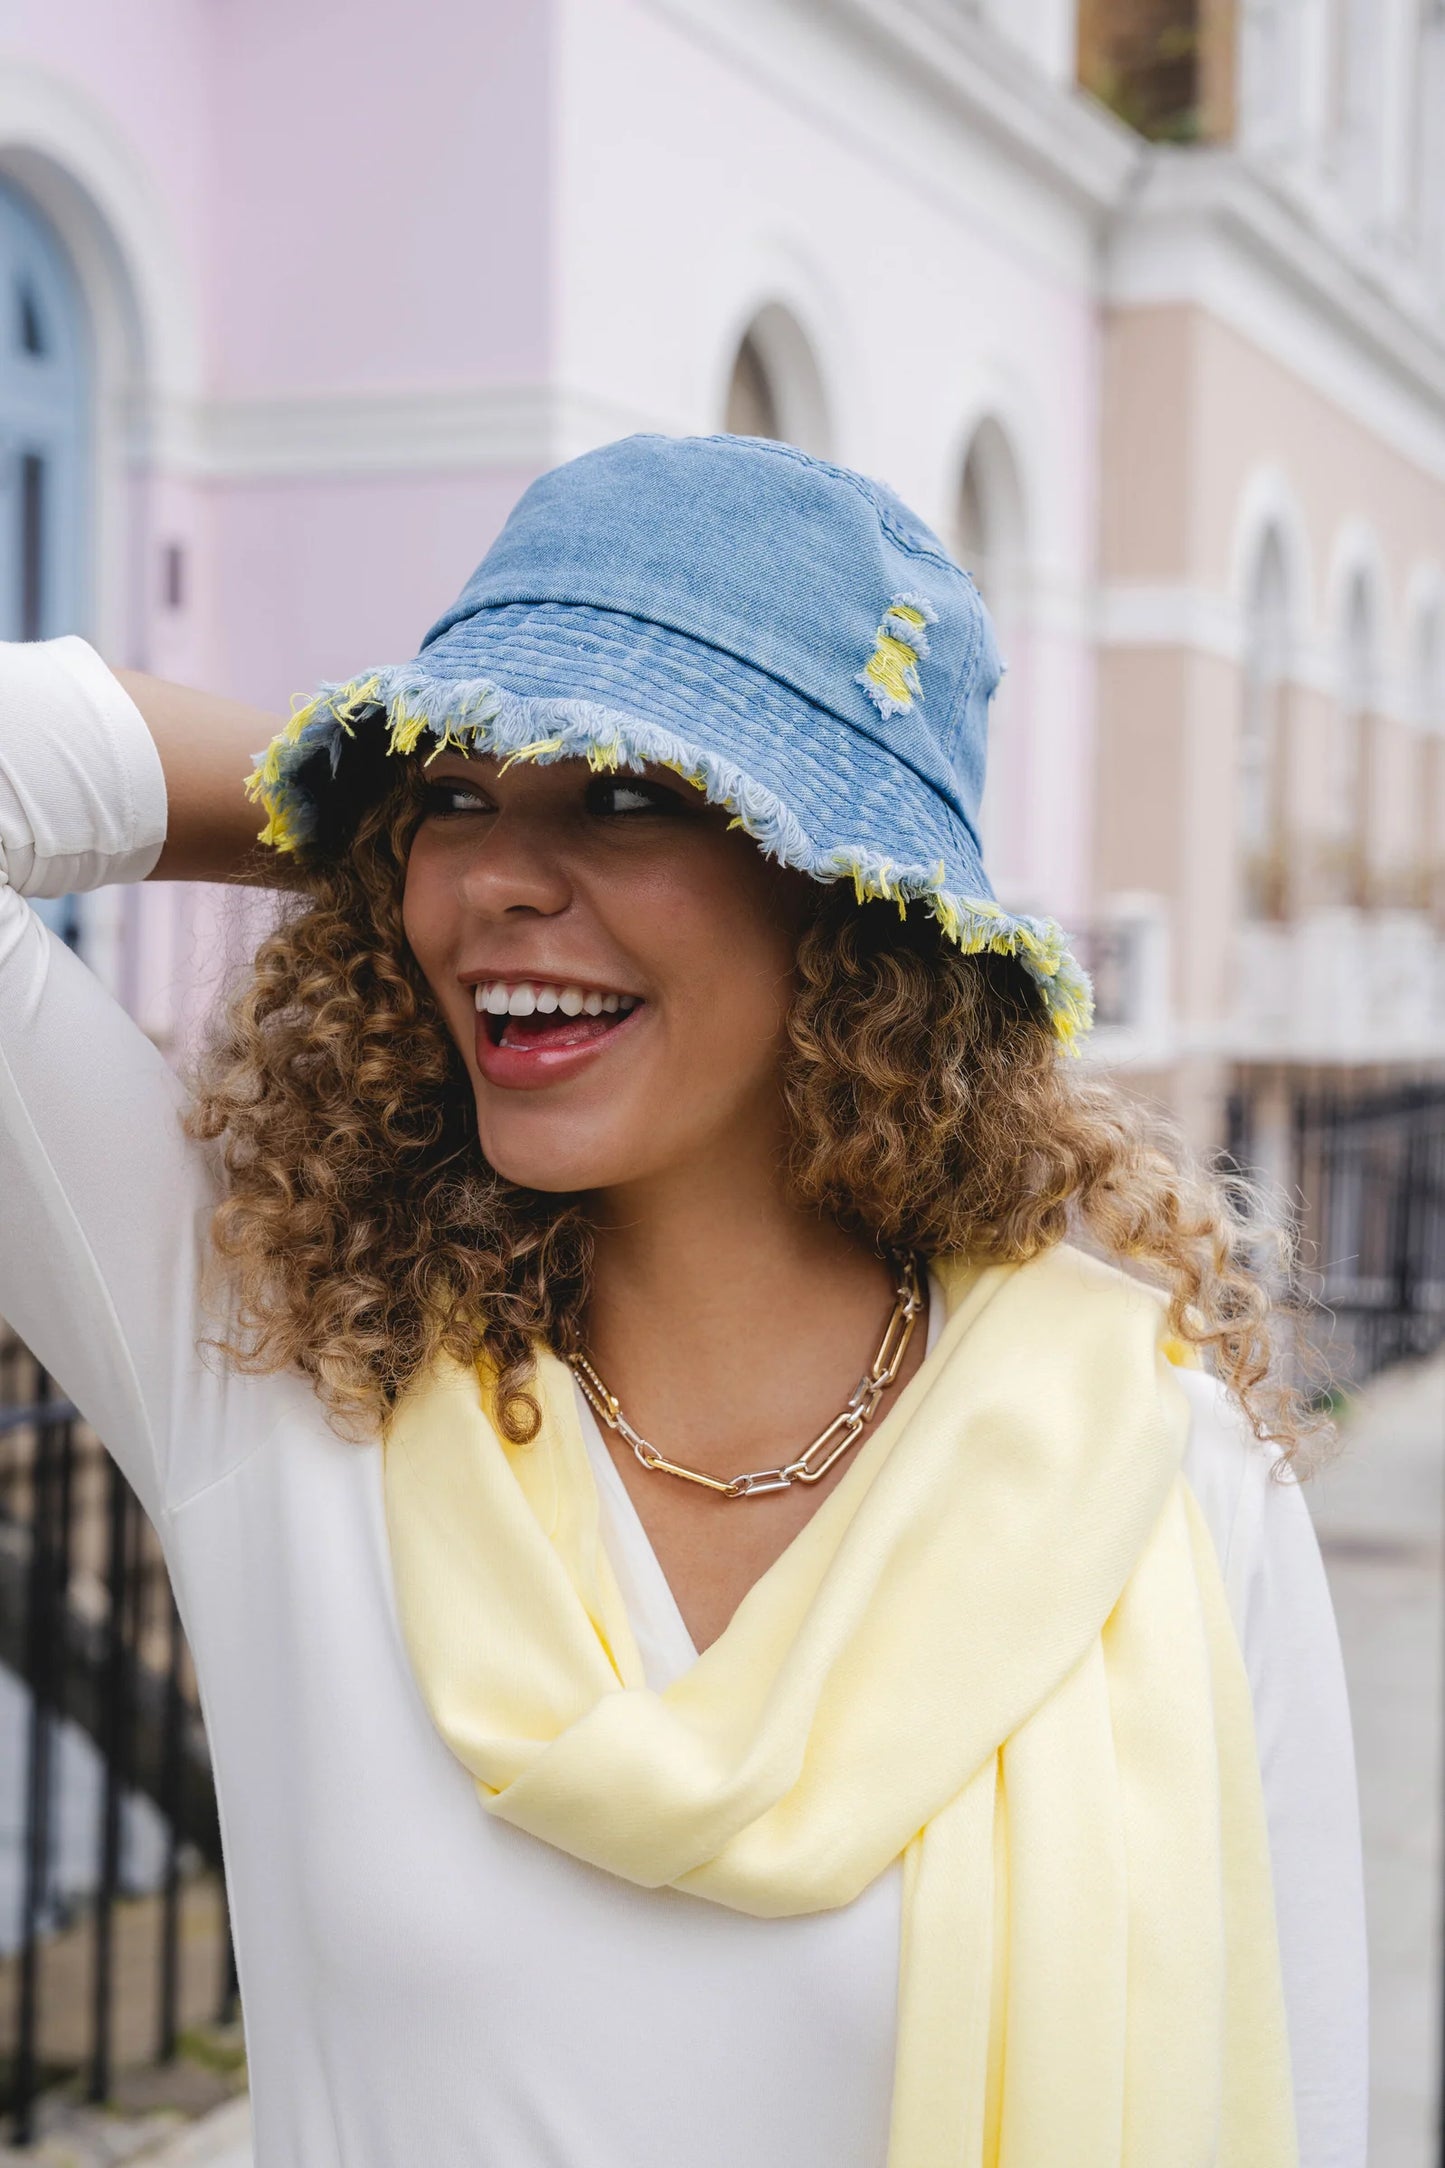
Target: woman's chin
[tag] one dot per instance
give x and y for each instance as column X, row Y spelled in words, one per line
column 558, row 1158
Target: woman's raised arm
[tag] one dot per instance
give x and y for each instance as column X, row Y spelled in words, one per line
column 206, row 746
column 104, row 1201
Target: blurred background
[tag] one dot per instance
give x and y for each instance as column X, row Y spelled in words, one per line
column 1141, row 303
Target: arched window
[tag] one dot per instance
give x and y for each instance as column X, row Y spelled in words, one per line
column 1356, row 783
column 988, row 540
column 775, row 389
column 42, row 430
column 990, row 519
column 1263, row 738
column 752, row 410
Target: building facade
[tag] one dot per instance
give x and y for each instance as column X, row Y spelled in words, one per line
column 1272, row 561
column 1139, row 303
column 321, row 355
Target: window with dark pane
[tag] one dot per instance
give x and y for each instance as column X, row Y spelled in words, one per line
column 32, row 546
column 32, row 327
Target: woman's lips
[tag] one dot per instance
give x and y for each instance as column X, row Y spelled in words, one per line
column 521, row 1053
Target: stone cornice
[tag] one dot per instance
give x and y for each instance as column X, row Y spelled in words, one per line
column 1062, row 133
column 1185, row 213
column 519, row 427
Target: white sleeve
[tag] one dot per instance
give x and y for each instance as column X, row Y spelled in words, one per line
column 102, row 1198
column 1280, row 1602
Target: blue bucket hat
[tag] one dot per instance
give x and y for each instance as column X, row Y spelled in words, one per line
column 784, row 633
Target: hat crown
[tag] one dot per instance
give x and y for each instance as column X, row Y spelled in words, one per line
column 783, row 560
column 785, row 634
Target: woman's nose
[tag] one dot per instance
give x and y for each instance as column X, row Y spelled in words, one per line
column 517, row 866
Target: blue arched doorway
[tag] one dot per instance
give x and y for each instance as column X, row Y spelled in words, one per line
column 44, row 400
column 43, row 430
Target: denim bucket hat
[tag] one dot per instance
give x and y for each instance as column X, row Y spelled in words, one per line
column 784, row 633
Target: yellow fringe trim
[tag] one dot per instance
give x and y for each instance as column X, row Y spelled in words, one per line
column 978, row 926
column 534, row 751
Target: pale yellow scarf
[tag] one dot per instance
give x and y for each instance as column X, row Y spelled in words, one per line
column 1000, row 1648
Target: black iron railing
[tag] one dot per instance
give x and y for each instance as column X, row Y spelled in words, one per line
column 1366, row 1175
column 1367, row 1178
column 93, row 1969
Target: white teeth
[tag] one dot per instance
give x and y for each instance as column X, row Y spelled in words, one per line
column 493, row 997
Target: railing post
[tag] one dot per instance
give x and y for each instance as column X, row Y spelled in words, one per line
column 169, row 1803
column 230, row 1983
column 41, row 1654
column 116, row 1710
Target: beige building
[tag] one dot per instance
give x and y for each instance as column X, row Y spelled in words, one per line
column 1269, row 826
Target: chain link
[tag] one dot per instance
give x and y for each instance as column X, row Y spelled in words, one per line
column 826, row 1449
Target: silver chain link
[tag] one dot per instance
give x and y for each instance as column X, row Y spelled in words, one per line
column 826, row 1449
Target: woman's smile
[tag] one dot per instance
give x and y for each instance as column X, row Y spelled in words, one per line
column 532, row 1032
column 615, row 963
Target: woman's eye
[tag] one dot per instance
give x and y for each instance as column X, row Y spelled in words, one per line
column 454, row 798
column 619, row 794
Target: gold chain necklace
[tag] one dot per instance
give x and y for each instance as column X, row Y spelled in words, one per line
column 829, row 1445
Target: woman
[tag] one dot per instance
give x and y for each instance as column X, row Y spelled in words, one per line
column 636, row 1741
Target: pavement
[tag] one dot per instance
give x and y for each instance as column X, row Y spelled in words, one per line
column 97, row 2138
column 220, row 2140
column 1379, row 1510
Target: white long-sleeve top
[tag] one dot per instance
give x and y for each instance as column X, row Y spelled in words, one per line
column 421, row 1983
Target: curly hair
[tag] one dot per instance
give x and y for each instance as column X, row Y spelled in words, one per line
column 929, row 1106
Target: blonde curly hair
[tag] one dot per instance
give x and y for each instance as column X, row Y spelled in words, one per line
column 930, row 1109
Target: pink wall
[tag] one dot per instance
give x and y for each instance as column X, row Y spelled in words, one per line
column 149, row 68
column 384, row 202
column 383, row 224
column 321, row 579
column 361, row 194
column 361, row 201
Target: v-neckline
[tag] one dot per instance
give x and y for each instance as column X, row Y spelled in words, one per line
column 664, row 1643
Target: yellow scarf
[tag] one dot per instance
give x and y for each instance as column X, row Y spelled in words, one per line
column 1000, row 1648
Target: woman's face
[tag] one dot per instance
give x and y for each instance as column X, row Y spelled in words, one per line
column 614, row 962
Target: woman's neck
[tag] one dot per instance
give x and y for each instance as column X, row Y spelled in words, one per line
column 728, row 1318
column 733, row 1326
